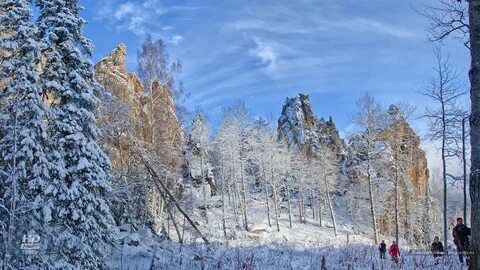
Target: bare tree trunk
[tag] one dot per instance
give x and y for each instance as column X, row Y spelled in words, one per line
column 428, row 221
column 234, row 201
column 288, row 201
column 372, row 206
column 396, row 206
column 330, row 207
column 266, row 197
column 312, row 204
column 320, row 209
column 204, row 188
column 299, row 199
column 224, row 225
column 162, row 205
column 464, row 161
column 444, row 177
column 177, row 229
column 171, row 198
column 244, row 196
column 275, row 203
column 408, row 225
column 474, row 29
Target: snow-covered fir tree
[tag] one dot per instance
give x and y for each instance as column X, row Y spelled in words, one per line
column 24, row 167
column 77, row 212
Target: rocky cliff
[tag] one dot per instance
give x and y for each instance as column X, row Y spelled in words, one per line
column 299, row 126
column 134, row 120
column 405, row 145
column 396, row 157
column 151, row 114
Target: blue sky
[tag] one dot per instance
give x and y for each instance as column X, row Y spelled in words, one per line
column 264, row 51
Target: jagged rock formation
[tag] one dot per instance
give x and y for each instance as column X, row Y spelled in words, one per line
column 127, row 90
column 136, row 121
column 299, row 126
column 152, row 115
column 397, row 156
column 111, row 72
column 412, row 170
column 406, row 144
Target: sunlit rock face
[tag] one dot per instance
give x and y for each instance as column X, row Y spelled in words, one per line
column 152, row 114
column 396, row 156
column 298, row 126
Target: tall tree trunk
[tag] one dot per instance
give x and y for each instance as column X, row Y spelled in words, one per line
column 444, row 176
column 372, row 205
column 161, row 186
column 224, row 225
column 312, row 204
column 244, row 195
column 299, row 200
column 266, row 197
column 408, row 225
column 289, row 204
column 204, row 188
column 331, row 208
column 464, row 161
column 234, row 201
column 474, row 29
column 177, row 229
column 320, row 209
column 428, row 220
column 275, row 203
column 396, row 205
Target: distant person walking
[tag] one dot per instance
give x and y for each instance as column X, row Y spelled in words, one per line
column 394, row 251
column 460, row 239
column 437, row 247
column 383, row 250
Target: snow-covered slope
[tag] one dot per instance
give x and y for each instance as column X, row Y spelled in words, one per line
column 303, row 246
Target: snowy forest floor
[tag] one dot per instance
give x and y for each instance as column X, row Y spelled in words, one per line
column 301, row 247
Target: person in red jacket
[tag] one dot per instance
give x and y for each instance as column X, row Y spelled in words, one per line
column 394, row 251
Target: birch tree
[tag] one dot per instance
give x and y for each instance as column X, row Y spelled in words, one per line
column 444, row 118
column 328, row 165
column 370, row 121
column 201, row 143
column 465, row 22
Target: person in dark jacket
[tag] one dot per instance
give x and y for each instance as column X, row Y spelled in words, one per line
column 460, row 238
column 437, row 248
column 383, row 250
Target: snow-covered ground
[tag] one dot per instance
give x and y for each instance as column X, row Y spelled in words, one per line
column 303, row 246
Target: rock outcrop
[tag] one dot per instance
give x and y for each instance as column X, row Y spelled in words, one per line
column 112, row 73
column 397, row 156
column 135, row 120
column 298, row 126
column 405, row 145
column 151, row 114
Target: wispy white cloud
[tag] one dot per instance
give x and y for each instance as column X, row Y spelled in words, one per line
column 291, row 33
column 124, row 10
column 175, row 39
column 267, row 54
column 140, row 17
column 368, row 25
